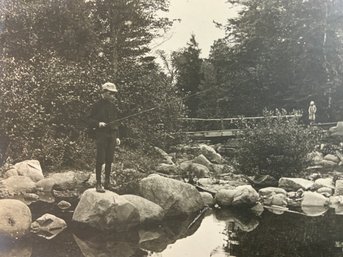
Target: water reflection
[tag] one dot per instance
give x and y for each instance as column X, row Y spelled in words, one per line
column 293, row 235
column 218, row 233
column 20, row 248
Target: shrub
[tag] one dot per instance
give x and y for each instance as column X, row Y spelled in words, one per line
column 45, row 102
column 275, row 146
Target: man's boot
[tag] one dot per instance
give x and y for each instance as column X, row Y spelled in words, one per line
column 99, row 188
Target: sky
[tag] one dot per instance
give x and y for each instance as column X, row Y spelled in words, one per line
column 197, row 17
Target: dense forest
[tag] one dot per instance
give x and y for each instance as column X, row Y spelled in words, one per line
column 276, row 54
column 54, row 56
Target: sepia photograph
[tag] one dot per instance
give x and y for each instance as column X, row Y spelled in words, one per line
column 171, row 128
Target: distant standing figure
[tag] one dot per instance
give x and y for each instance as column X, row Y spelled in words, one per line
column 102, row 121
column 312, row 109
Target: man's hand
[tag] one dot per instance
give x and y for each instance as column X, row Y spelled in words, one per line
column 117, row 141
column 102, row 124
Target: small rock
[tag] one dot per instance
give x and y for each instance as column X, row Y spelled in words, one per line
column 167, row 168
column 64, row 205
column 326, row 191
column 267, row 191
column 293, row 184
column 339, row 187
column 332, row 158
column 48, row 226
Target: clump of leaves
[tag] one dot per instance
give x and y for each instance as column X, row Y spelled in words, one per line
column 276, row 145
column 131, row 165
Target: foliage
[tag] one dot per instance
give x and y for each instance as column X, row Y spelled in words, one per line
column 131, row 165
column 54, row 58
column 275, row 146
column 278, row 54
column 188, row 74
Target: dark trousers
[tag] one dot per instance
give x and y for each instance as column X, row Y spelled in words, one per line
column 104, row 154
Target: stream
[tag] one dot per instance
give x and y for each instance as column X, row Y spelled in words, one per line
column 217, row 233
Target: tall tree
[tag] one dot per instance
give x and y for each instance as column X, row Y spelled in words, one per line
column 281, row 54
column 54, row 56
column 188, row 74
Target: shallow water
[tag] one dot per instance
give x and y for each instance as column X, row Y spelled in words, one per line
column 219, row 233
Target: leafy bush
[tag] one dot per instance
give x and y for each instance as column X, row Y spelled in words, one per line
column 45, row 103
column 275, row 146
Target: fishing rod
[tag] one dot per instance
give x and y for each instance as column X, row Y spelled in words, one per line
column 156, row 107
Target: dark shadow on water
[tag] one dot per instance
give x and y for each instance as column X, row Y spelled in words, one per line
column 245, row 235
column 292, row 235
column 136, row 242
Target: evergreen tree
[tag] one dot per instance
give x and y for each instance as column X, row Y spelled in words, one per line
column 188, row 74
column 281, row 54
column 54, row 56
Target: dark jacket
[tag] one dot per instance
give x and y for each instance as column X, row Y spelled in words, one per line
column 104, row 111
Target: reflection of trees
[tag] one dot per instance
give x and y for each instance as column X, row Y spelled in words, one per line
column 155, row 237
column 292, row 235
column 238, row 219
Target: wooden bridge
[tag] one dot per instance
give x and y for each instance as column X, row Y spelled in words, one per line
column 236, row 132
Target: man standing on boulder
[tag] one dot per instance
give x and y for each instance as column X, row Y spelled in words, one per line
column 102, row 122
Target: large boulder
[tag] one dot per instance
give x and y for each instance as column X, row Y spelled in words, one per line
column 207, row 198
column 65, row 184
column 337, row 130
column 167, row 168
column 314, row 204
column 175, row 197
column 245, row 195
column 324, row 182
column 211, row 154
column 215, row 185
column 105, row 211
column 201, row 159
column 224, row 197
column 69, row 180
column 148, row 211
column 190, row 169
column 274, row 196
column 314, row 199
column 165, row 157
column 17, row 185
column 241, row 195
column 293, row 184
column 15, row 219
column 31, row 169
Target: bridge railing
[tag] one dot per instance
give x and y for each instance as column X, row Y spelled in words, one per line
column 223, row 127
